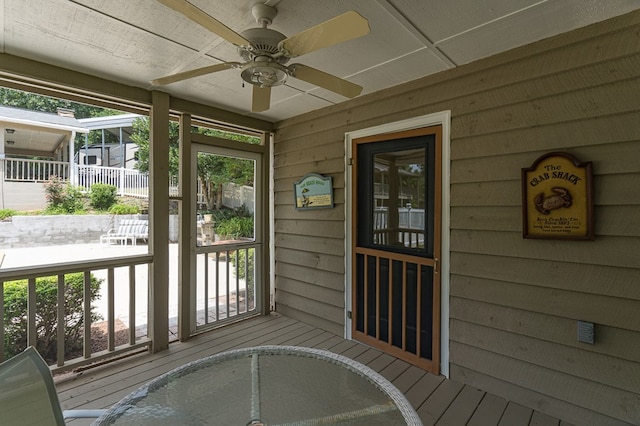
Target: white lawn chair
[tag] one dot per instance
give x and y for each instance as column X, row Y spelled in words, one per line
column 28, row 395
column 128, row 230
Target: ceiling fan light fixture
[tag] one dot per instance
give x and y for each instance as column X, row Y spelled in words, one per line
column 264, row 73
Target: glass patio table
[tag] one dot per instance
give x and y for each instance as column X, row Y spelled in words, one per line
column 266, row 385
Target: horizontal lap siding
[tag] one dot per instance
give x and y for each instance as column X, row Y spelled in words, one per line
column 514, row 303
column 309, row 244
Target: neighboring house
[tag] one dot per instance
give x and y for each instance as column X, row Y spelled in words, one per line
column 32, row 135
column 107, row 153
column 38, row 145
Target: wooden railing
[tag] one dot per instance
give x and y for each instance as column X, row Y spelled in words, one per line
column 226, row 288
column 409, row 231
column 125, row 286
column 129, row 182
column 24, row 170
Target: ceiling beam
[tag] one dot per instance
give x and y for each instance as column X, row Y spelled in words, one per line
column 38, row 77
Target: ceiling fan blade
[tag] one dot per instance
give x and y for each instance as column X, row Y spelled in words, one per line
column 207, row 21
column 344, row 27
column 261, row 99
column 325, row 80
column 193, row 73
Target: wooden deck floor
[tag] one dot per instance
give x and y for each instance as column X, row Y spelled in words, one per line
column 437, row 400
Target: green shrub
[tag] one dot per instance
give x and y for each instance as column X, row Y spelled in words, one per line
column 74, row 200
column 227, row 213
column 235, row 227
column 245, row 268
column 124, row 209
column 15, row 315
column 5, row 213
column 54, row 191
column 63, row 198
column 102, row 196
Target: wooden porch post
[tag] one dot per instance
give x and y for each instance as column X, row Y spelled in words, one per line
column 186, row 251
column 265, row 221
column 159, row 221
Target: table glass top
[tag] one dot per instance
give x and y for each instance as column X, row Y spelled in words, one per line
column 266, row 385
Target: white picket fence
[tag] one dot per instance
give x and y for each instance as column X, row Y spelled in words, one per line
column 129, row 182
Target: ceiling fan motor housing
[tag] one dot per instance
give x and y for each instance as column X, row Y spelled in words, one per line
column 264, row 42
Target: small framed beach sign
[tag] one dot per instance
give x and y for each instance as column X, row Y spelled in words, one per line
column 313, row 191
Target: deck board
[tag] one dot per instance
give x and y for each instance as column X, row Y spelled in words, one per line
column 462, row 408
column 437, row 400
column 516, row 415
column 489, row 411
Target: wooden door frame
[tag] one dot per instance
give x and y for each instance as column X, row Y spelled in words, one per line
column 443, row 119
column 259, row 154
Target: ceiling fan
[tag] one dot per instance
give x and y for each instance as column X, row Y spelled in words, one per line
column 265, row 52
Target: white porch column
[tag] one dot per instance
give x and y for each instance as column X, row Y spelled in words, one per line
column 2, row 166
column 159, row 221
column 2, row 141
column 73, row 175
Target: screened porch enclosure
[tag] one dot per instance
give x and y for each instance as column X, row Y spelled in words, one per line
column 144, row 297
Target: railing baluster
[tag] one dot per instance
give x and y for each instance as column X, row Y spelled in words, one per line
column 110, row 310
column 206, row 288
column 31, row 313
column 132, row 305
column 1, row 321
column 61, row 321
column 217, row 286
column 238, row 280
column 246, row 280
column 86, row 344
column 227, row 284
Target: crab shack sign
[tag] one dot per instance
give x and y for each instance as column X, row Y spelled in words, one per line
column 557, row 198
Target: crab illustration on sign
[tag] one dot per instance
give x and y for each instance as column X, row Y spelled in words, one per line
column 557, row 198
column 561, row 198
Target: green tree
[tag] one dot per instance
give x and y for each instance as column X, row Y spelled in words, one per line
column 213, row 170
column 141, row 138
column 34, row 102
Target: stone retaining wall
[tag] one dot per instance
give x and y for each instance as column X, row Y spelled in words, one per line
column 31, row 231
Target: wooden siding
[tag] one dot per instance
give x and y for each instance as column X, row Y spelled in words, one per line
column 514, row 303
column 436, row 400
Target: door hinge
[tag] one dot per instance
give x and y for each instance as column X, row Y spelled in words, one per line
column 349, row 161
column 349, row 314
